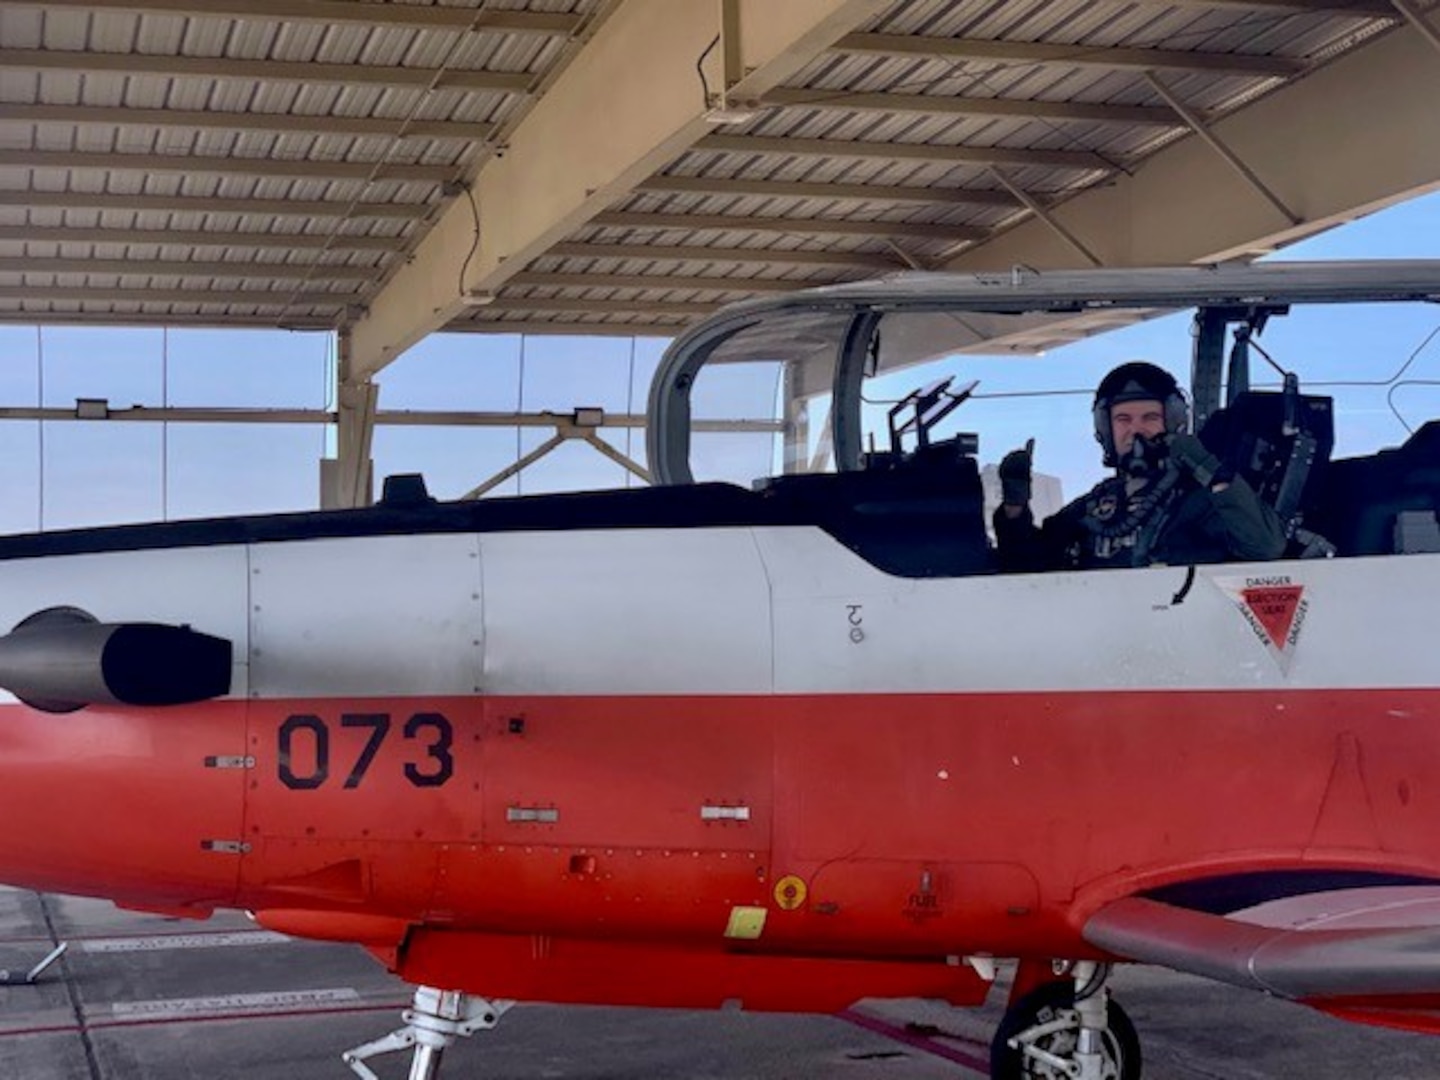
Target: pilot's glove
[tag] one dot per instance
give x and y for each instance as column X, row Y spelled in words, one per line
column 1015, row 469
column 1191, row 455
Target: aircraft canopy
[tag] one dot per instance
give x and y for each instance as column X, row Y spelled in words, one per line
column 816, row 347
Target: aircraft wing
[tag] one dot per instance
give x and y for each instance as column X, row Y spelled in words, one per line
column 1359, row 943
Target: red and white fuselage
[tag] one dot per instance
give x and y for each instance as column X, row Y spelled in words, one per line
column 665, row 765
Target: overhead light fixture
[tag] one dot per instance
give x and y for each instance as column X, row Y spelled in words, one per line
column 92, row 408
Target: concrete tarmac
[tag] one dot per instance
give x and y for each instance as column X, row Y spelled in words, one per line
column 140, row 996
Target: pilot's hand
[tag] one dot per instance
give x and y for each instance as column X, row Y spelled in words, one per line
column 1191, row 455
column 1015, row 470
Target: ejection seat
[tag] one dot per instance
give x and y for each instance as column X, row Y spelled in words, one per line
column 1280, row 442
column 915, row 513
column 920, row 515
column 1386, row 503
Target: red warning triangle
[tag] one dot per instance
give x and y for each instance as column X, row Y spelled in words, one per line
column 1274, row 608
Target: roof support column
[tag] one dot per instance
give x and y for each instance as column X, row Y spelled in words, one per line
column 348, row 479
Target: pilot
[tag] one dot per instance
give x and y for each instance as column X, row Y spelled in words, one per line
column 1170, row 501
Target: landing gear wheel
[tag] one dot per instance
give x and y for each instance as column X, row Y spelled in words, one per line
column 1053, row 1006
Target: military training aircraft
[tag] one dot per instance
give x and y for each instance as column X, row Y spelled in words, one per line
column 791, row 745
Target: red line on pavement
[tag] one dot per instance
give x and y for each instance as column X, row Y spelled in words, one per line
column 919, row 1042
column 31, row 939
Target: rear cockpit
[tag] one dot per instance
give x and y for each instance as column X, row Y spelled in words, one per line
column 888, row 474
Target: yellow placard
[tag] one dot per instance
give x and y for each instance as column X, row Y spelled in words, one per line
column 746, row 923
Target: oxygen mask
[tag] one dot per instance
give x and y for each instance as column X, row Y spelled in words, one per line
column 1145, row 459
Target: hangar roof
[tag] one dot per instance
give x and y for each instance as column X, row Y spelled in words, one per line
column 281, row 162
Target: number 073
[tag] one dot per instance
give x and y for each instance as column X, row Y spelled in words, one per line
column 303, row 751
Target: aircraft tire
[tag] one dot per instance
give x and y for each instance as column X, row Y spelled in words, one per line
column 1122, row 1044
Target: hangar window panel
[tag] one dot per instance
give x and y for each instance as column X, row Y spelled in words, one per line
column 101, row 474
column 455, row 371
column 19, row 370
column 466, row 372
column 563, row 373
column 123, row 365
column 219, row 469
column 453, row 460
column 264, row 369
column 20, row 450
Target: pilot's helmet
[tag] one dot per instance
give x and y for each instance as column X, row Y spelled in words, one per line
column 1138, row 381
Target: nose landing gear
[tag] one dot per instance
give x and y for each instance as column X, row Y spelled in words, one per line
column 1067, row 1030
column 433, row 1023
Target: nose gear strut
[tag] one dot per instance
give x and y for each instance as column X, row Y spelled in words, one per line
column 434, row 1021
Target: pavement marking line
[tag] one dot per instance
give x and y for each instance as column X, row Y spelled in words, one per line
column 161, row 942
column 874, row 1024
column 393, row 1007
column 234, row 1004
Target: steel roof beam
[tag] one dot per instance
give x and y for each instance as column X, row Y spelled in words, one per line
column 1349, row 148
column 1035, row 52
column 1234, row 160
column 218, row 120
column 1043, row 213
column 29, row 264
column 1419, row 20
column 568, row 328
column 621, row 219
column 432, row 17
column 223, row 166
column 887, row 151
column 749, row 284
column 279, row 298
column 45, row 234
column 768, row 256
column 202, row 414
column 603, row 307
column 1360, row 8
column 271, row 71
column 943, row 105
column 561, row 167
column 310, row 208
column 169, row 318
column 784, row 189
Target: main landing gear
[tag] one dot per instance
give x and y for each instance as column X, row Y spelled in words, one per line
column 432, row 1024
column 1066, row 1030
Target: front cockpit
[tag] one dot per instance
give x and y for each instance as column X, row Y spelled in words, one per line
column 814, row 399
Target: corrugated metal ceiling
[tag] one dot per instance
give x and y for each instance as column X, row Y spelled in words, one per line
column 251, row 164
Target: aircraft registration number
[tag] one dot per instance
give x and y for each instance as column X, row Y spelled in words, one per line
column 303, row 751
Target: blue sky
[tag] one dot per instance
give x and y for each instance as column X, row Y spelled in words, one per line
column 65, row 475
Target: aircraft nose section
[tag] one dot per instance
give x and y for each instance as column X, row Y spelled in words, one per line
column 142, row 806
